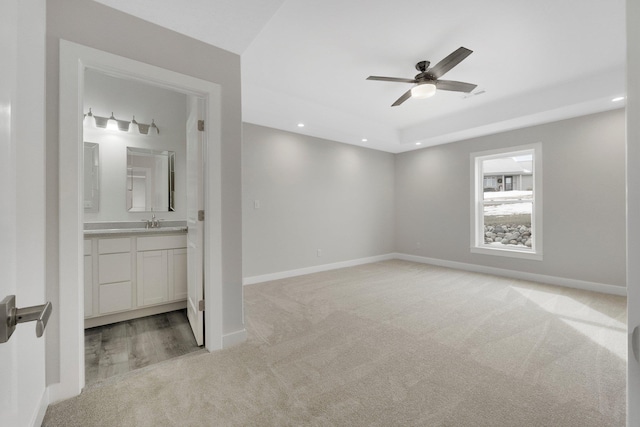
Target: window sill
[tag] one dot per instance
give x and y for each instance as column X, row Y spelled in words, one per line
column 509, row 253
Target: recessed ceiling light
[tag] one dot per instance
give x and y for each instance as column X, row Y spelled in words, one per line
column 418, row 143
column 617, row 99
column 300, row 125
column 364, row 139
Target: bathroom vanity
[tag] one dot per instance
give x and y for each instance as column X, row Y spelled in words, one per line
column 133, row 272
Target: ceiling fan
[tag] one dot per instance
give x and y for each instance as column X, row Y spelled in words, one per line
column 428, row 79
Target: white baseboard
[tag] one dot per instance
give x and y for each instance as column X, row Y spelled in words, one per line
column 42, row 409
column 541, row 278
column 234, row 338
column 315, row 269
column 520, row 275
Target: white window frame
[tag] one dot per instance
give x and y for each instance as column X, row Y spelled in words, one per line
column 477, row 203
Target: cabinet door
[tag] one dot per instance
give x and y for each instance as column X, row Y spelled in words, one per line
column 152, row 284
column 179, row 274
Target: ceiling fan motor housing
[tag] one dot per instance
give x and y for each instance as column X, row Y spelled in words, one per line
column 422, row 66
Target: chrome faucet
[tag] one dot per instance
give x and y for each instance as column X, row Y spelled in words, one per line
column 152, row 223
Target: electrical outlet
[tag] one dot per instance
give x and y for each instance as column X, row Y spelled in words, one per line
column 256, row 204
column 319, row 252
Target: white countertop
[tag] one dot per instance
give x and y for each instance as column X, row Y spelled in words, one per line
column 140, row 230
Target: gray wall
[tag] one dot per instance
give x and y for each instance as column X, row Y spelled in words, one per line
column 583, row 199
column 95, row 25
column 313, row 194
column 126, row 98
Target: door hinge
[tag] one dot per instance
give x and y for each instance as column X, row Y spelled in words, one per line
column 201, row 305
column 200, row 215
column 201, row 125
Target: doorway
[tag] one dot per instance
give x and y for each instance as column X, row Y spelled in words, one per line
column 508, row 183
column 136, row 308
column 74, row 60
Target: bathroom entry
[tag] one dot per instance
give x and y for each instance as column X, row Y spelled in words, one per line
column 147, row 259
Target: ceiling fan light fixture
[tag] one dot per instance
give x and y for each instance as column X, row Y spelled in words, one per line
column 424, row 90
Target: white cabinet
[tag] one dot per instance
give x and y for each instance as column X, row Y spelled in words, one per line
column 179, row 274
column 88, row 279
column 161, row 269
column 153, row 281
column 115, row 288
column 125, row 277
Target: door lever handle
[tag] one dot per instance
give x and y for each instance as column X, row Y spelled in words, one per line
column 10, row 316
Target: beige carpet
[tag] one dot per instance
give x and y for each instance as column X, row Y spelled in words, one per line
column 388, row 344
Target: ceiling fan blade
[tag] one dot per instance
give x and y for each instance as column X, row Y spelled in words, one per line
column 449, row 62
column 403, row 98
column 391, row 79
column 455, row 86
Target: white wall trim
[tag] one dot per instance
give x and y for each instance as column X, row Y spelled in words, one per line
column 42, row 408
column 74, row 59
column 520, row 275
column 315, row 269
column 234, row 338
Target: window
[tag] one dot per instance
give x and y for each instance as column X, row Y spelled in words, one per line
column 506, row 202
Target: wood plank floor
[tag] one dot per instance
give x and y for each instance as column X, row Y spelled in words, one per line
column 122, row 347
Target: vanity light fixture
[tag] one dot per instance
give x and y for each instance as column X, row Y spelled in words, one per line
column 112, row 123
column 133, row 126
column 153, row 129
column 89, row 119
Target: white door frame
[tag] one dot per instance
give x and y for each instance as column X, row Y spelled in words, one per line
column 633, row 212
column 74, row 60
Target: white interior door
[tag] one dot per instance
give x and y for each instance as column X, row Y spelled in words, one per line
column 633, row 212
column 195, row 204
column 22, row 215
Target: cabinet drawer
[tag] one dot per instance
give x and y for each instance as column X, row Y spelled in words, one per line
column 114, row 268
column 115, row 297
column 112, row 246
column 156, row 243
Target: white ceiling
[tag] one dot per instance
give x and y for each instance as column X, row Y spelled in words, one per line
column 307, row 61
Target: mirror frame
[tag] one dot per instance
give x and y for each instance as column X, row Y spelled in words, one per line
column 92, row 204
column 170, row 155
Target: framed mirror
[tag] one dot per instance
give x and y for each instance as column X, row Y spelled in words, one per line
column 91, row 177
column 150, row 180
